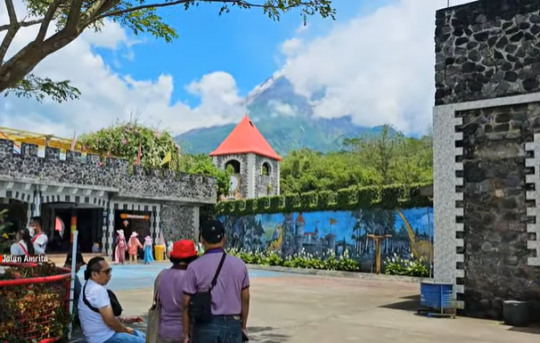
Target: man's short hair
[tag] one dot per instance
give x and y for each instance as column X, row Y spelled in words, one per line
column 38, row 221
column 213, row 232
column 94, row 265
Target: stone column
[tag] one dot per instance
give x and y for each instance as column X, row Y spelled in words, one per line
column 105, row 234
column 110, row 228
column 195, row 223
column 34, row 207
column 251, row 176
column 157, row 219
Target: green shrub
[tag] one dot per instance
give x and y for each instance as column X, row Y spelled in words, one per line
column 328, row 261
column 389, row 197
column 399, row 266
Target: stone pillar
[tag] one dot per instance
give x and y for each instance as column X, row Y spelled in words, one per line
column 110, row 230
column 533, row 196
column 157, row 215
column 34, row 207
column 445, row 195
column 278, row 176
column 195, row 219
column 105, row 234
column 251, row 173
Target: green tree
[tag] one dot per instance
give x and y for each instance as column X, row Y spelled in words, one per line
column 124, row 140
column 387, row 158
column 71, row 18
column 380, row 152
column 202, row 165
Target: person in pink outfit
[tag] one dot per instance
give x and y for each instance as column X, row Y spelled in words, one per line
column 120, row 251
column 133, row 247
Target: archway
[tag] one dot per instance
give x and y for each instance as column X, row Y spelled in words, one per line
column 235, row 165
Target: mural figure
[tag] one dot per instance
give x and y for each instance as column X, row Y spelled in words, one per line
column 410, row 232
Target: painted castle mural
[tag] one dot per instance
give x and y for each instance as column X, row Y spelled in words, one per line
column 409, row 232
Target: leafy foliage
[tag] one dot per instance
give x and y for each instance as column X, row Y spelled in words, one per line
column 40, row 88
column 385, row 197
column 417, row 267
column 301, row 260
column 124, row 139
column 370, row 160
column 6, row 236
column 202, row 165
column 36, row 311
column 72, row 17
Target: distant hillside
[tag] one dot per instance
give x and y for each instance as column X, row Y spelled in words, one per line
column 284, row 118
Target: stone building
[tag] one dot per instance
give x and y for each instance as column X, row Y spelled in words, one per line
column 487, row 153
column 254, row 162
column 102, row 194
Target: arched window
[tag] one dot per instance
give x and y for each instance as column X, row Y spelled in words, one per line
column 265, row 170
column 234, row 165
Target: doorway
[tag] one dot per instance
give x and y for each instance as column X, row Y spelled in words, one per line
column 131, row 221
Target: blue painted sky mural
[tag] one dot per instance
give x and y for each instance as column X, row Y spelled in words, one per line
column 410, row 232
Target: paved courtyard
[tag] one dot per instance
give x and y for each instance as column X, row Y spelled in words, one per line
column 290, row 308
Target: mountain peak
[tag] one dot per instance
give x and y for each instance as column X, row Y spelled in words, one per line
column 284, row 118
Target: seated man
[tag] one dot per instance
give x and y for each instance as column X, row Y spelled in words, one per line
column 98, row 322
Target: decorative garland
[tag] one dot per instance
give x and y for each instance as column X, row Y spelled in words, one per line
column 388, row 197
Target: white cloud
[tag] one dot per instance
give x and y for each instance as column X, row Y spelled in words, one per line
column 378, row 68
column 282, row 109
column 108, row 96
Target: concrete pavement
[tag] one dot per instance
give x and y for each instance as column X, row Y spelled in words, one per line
column 289, row 308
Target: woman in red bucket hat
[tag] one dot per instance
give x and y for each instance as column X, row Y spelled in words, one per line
column 168, row 292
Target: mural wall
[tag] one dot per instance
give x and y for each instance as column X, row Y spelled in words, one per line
column 409, row 232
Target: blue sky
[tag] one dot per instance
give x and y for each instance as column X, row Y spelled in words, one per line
column 375, row 63
column 243, row 43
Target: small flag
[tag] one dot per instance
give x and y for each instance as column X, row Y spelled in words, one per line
column 74, row 141
column 167, row 158
column 139, row 153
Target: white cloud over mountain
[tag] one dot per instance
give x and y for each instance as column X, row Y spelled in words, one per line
column 378, row 68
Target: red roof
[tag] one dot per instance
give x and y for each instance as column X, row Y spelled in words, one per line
column 245, row 139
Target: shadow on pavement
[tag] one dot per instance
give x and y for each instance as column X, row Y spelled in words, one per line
column 266, row 334
column 535, row 330
column 259, row 334
column 409, row 303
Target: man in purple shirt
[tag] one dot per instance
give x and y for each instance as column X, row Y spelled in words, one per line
column 230, row 296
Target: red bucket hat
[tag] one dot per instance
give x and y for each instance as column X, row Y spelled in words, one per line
column 183, row 248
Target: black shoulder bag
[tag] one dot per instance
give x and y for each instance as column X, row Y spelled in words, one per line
column 115, row 304
column 200, row 304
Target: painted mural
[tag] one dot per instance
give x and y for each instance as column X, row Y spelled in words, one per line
column 407, row 232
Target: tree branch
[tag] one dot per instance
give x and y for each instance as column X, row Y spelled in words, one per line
column 178, row 2
column 11, row 12
column 13, row 28
column 49, row 15
column 22, row 24
column 74, row 15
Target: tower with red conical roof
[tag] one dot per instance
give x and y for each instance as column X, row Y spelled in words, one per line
column 254, row 163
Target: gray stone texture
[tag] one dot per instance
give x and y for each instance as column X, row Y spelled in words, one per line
column 127, row 181
column 495, row 208
column 266, row 185
column 243, row 176
column 487, row 49
column 177, row 222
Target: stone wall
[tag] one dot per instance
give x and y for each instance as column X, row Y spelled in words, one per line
column 495, row 207
column 113, row 174
column 266, row 185
column 487, row 49
column 179, row 221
